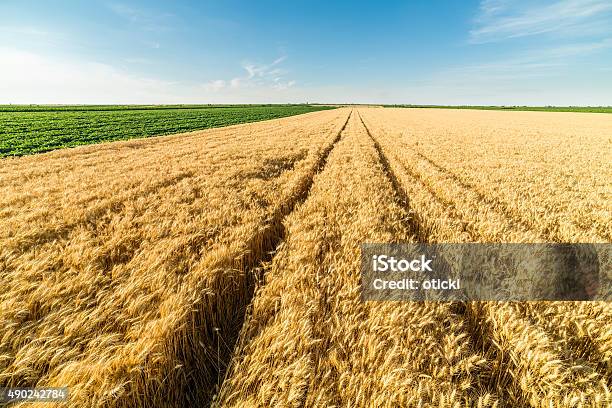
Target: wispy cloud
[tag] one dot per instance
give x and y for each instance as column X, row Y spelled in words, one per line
column 262, row 71
column 575, row 49
column 30, row 77
column 25, row 30
column 270, row 75
column 138, row 60
column 152, row 44
column 146, row 20
column 33, row 77
column 569, row 33
column 216, row 85
column 503, row 19
column 525, row 64
column 35, row 35
column 520, row 77
column 283, row 85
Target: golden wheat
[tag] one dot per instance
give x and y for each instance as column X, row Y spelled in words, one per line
column 549, row 173
column 126, row 280
column 310, row 340
column 448, row 209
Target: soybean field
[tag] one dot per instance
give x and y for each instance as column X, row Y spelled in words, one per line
column 27, row 129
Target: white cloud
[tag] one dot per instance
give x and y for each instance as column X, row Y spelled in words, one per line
column 138, row 60
column 251, row 70
column 28, row 78
column 283, row 85
column 537, row 61
column 278, row 60
column 39, row 36
column 25, row 30
column 263, row 70
column 264, row 75
column 539, row 76
column 569, row 34
column 277, row 71
column 502, row 19
column 570, row 50
column 215, row 85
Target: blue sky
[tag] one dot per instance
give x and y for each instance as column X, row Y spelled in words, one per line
column 556, row 52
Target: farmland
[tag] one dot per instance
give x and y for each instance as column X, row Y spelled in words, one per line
column 583, row 109
column 27, row 129
column 222, row 266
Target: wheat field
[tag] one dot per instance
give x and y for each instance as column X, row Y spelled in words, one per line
column 221, row 267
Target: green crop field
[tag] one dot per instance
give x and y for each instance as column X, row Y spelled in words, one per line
column 586, row 109
column 29, row 129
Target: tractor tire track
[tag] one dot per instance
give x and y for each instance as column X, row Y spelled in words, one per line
column 259, row 251
column 414, row 223
column 418, row 225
